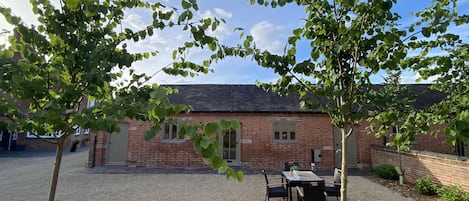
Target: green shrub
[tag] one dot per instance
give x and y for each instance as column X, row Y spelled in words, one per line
column 386, row 171
column 425, row 186
column 452, row 193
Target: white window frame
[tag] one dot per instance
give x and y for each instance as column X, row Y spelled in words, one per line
column 171, row 136
column 54, row 135
column 284, row 129
column 86, row 131
column 78, row 131
column 14, row 136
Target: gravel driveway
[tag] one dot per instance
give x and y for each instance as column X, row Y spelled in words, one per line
column 26, row 176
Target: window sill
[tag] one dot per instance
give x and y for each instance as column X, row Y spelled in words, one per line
column 284, row 142
column 173, row 141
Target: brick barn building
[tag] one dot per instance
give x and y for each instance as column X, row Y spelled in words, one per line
column 274, row 129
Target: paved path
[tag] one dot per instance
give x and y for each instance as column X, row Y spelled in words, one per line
column 26, row 177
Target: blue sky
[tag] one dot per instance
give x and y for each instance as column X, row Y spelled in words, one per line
column 269, row 27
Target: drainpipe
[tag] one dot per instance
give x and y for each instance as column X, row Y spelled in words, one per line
column 94, row 150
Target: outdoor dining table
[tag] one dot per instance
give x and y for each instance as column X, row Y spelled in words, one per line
column 303, row 177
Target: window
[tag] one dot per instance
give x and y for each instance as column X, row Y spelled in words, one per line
column 171, row 131
column 56, row 134
column 91, row 103
column 14, row 136
column 86, row 131
column 77, row 131
column 284, row 130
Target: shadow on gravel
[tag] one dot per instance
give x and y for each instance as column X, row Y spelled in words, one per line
column 147, row 170
column 30, row 154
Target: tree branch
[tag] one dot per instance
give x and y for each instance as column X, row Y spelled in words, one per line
column 43, row 139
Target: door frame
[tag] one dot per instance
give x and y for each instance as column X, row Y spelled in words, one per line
column 352, row 148
column 236, row 162
column 124, row 130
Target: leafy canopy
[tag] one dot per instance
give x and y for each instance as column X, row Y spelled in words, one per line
column 79, row 51
column 352, row 40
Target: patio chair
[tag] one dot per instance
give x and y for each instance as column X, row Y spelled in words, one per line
column 313, row 191
column 335, row 189
column 274, row 190
column 299, row 194
column 289, row 164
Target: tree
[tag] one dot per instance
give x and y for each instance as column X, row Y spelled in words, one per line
column 350, row 41
column 450, row 65
column 78, row 52
column 392, row 108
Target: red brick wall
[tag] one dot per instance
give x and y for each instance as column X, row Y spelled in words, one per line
column 257, row 148
column 99, row 156
column 434, row 143
column 442, row 168
column 364, row 141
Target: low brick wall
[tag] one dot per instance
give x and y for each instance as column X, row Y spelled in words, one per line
column 444, row 169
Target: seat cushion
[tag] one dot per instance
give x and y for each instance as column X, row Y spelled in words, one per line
column 332, row 191
column 277, row 192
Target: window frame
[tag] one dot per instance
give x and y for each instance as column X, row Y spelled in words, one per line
column 77, row 131
column 284, row 128
column 171, row 125
column 86, row 131
column 54, row 135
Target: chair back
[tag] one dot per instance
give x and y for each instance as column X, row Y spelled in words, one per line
column 265, row 176
column 337, row 174
column 289, row 164
column 314, row 191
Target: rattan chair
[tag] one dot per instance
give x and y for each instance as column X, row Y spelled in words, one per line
column 274, row 190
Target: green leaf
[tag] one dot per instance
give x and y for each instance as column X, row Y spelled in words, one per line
column 210, row 129
column 73, row 4
column 235, row 124
column 217, row 163
column 185, row 4
column 190, row 131
column 208, row 153
column 239, row 175
column 426, row 32
column 204, row 143
column 225, row 124
column 212, row 46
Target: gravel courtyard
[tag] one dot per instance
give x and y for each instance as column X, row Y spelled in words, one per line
column 26, row 176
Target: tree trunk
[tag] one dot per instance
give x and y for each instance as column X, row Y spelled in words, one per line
column 343, row 177
column 55, row 174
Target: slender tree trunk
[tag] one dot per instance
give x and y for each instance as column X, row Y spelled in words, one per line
column 343, row 177
column 399, row 157
column 58, row 161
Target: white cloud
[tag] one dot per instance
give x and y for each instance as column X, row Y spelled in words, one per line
column 222, row 30
column 412, row 79
column 134, row 21
column 269, row 36
column 223, row 13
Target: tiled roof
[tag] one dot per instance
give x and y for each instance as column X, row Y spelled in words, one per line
column 250, row 98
